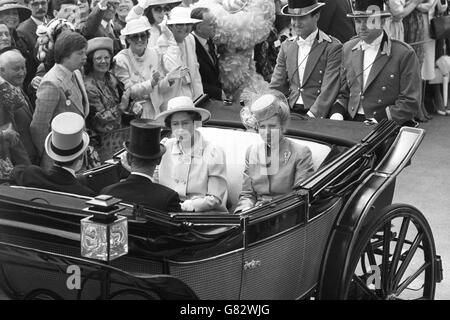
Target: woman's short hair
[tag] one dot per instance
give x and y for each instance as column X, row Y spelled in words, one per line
column 89, row 66
column 195, row 116
column 67, row 43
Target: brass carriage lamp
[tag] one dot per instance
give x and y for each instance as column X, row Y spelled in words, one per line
column 104, row 234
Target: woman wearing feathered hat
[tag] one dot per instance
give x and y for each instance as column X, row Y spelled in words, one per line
column 274, row 166
column 138, row 67
column 192, row 166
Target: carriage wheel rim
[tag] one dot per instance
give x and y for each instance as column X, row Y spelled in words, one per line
column 395, row 263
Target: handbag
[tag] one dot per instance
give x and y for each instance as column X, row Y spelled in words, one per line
column 440, row 27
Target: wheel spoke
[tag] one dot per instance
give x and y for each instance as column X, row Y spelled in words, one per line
column 399, row 247
column 360, row 283
column 405, row 263
column 385, row 262
column 411, row 278
column 371, row 255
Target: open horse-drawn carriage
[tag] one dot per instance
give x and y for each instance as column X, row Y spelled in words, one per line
column 336, row 236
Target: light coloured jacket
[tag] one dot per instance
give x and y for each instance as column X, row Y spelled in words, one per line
column 293, row 165
column 199, row 176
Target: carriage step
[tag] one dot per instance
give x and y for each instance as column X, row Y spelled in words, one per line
column 439, row 271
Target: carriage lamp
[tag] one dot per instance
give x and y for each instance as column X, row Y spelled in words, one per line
column 104, row 234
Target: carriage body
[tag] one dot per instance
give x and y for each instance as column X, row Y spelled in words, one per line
column 306, row 243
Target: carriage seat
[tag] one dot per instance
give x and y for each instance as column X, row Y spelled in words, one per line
column 235, row 143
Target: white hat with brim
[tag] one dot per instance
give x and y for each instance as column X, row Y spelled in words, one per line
column 368, row 14
column 300, row 12
column 24, row 12
column 163, row 2
column 182, row 104
column 181, row 15
column 67, row 140
column 136, row 26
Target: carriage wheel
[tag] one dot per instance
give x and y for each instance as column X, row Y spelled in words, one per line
column 394, row 258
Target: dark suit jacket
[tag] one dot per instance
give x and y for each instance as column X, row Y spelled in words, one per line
column 209, row 72
column 140, row 190
column 56, row 179
column 93, row 28
column 321, row 78
column 393, row 83
column 333, row 19
column 26, row 32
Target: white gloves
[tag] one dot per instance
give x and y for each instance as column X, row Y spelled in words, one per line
column 337, row 116
column 144, row 4
column 187, row 205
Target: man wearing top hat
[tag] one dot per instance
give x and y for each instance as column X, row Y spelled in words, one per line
column 380, row 77
column 65, row 145
column 144, row 154
column 307, row 68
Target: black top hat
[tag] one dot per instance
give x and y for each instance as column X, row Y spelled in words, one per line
column 145, row 137
column 368, row 8
column 299, row 8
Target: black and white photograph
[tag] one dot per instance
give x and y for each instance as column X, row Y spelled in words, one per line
column 225, row 154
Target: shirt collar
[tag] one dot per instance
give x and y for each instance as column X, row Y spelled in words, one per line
column 106, row 23
column 66, row 72
column 142, row 175
column 72, row 172
column 383, row 40
column 202, row 40
column 309, row 40
column 37, row 21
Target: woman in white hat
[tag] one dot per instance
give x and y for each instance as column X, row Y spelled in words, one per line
column 156, row 12
column 138, row 67
column 184, row 57
column 192, row 166
column 275, row 166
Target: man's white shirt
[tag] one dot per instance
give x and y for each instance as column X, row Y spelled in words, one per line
column 304, row 47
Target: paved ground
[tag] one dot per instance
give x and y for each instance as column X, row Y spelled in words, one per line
column 426, row 185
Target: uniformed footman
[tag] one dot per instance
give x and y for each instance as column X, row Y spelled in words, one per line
column 380, row 77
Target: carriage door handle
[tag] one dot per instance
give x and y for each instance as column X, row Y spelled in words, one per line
column 252, row 264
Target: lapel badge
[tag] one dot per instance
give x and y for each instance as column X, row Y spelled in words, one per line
column 67, row 102
column 287, row 155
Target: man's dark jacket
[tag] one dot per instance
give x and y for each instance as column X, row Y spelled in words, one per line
column 142, row 191
column 56, row 179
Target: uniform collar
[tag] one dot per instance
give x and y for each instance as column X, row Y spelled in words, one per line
column 142, row 175
column 320, row 36
column 385, row 44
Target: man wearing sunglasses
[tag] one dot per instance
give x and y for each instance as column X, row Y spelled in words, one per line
column 100, row 22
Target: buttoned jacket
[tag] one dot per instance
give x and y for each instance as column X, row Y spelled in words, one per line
column 289, row 167
column 321, row 77
column 196, row 175
column 393, row 88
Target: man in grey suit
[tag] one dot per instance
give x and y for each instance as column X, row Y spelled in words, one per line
column 307, row 68
column 61, row 89
column 380, row 77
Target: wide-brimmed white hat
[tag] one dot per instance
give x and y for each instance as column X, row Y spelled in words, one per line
column 181, row 15
column 135, row 26
column 67, row 140
column 180, row 104
column 162, row 2
column 23, row 11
